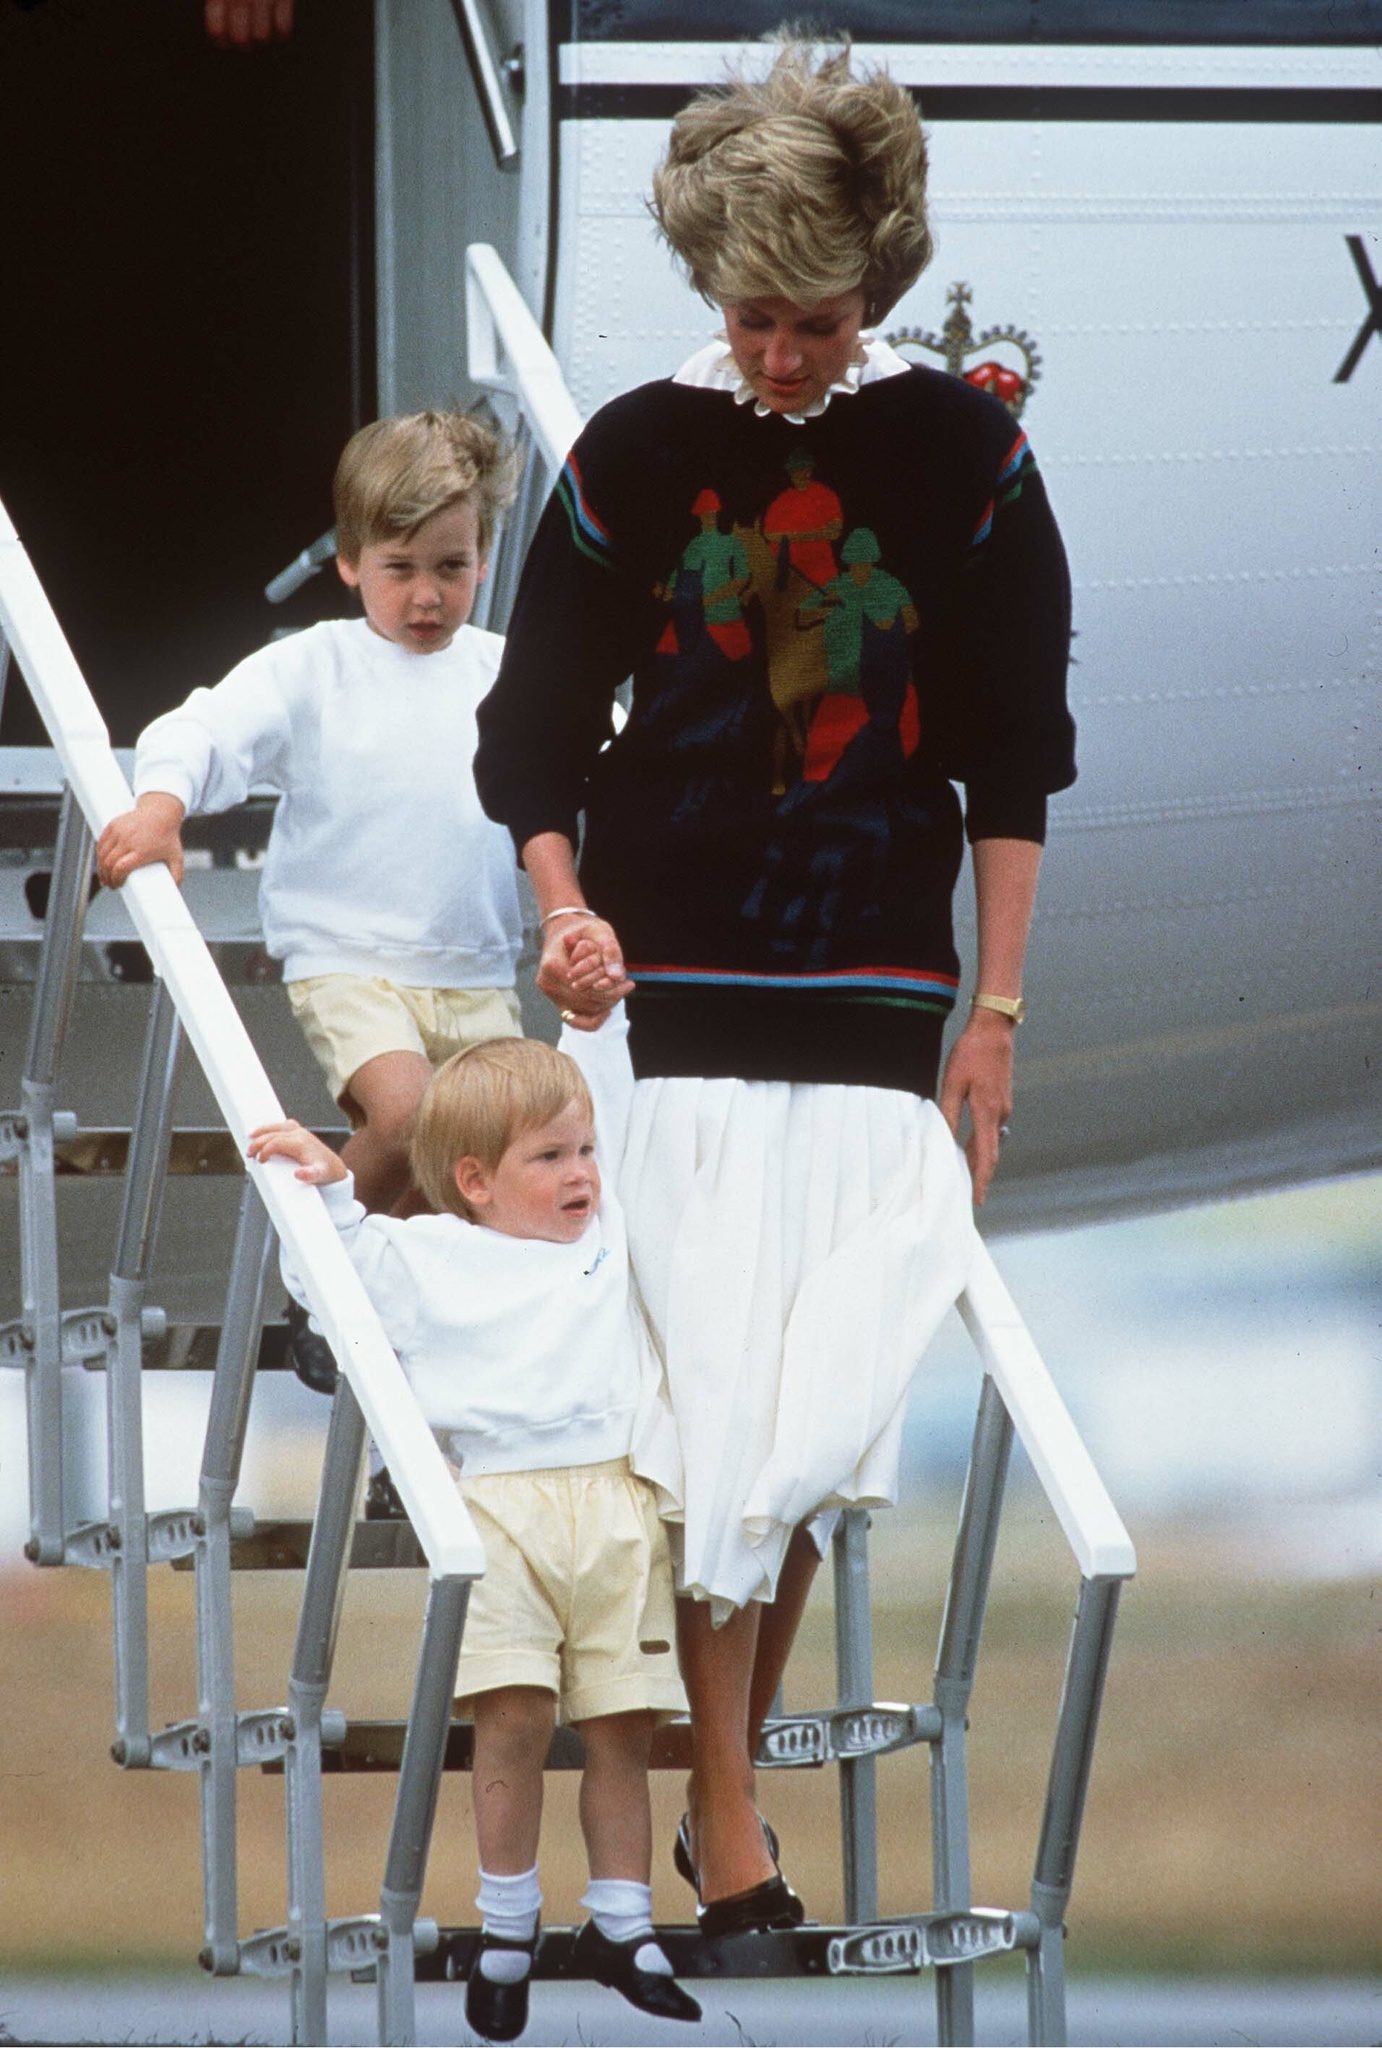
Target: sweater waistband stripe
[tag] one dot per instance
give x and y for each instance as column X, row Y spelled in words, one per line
column 905, row 980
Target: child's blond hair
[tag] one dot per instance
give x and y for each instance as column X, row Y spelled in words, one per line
column 480, row 1102
column 803, row 185
column 395, row 473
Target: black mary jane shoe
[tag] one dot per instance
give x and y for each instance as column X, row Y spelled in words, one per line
column 383, row 1501
column 614, row 1963
column 681, row 1850
column 497, row 2012
column 763, row 1909
column 309, row 1354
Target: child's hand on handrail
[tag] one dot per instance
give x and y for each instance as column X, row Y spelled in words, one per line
column 151, row 832
column 315, row 1161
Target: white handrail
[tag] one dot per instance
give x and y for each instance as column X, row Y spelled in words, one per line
column 1102, row 1546
column 507, row 352
column 237, row 1078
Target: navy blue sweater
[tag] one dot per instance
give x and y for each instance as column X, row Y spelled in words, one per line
column 827, row 624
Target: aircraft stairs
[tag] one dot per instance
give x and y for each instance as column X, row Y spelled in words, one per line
column 310, row 1742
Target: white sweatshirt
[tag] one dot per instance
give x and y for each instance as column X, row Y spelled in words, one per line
column 524, row 1354
column 380, row 861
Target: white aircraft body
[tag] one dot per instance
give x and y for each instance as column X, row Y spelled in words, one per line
column 1185, row 233
column 1159, row 225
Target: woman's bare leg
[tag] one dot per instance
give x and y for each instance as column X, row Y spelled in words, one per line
column 717, row 1670
column 777, row 1629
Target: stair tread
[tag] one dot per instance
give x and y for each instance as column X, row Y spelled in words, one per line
column 283, row 1546
column 377, row 1745
column 899, row 1945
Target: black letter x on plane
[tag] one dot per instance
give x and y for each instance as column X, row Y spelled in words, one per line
column 1373, row 324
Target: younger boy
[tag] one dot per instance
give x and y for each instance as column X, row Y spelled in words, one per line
column 513, row 1316
column 387, row 894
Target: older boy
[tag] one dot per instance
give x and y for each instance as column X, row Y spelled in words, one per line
column 514, row 1318
column 386, row 893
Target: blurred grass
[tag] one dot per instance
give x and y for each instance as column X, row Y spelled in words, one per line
column 1231, row 1822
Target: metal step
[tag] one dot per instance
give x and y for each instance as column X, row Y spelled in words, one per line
column 283, row 1547
column 790, row 1741
column 192, row 1148
column 880, row 1948
column 888, row 1948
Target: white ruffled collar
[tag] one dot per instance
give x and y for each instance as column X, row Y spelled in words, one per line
column 713, row 368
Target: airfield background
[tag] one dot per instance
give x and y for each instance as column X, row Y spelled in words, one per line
column 185, row 343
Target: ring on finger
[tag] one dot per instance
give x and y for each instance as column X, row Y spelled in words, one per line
column 1004, row 1131
column 568, row 1016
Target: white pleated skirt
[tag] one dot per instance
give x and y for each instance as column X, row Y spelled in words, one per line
column 796, row 1246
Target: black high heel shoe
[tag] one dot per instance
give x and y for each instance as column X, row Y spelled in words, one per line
column 681, row 1854
column 615, row 1964
column 681, row 1850
column 763, row 1909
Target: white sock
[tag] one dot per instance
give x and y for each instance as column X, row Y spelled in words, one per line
column 622, row 1909
column 509, row 1908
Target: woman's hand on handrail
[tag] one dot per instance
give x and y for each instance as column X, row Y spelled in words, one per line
column 979, row 1077
column 979, row 1072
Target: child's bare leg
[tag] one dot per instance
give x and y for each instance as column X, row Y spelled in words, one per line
column 619, row 1940
column 616, row 1810
column 387, row 1090
column 513, row 1729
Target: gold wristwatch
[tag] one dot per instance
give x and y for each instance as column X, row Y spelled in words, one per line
column 1012, row 1007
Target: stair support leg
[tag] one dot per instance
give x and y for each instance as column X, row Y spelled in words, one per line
column 38, row 1224
column 1086, row 1669
column 227, row 1422
column 415, row 1807
column 145, row 1176
column 956, row 1658
column 313, row 1655
column 854, row 1685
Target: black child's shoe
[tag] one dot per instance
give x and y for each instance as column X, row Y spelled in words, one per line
column 497, row 2012
column 614, row 1963
column 309, row 1354
column 383, row 1501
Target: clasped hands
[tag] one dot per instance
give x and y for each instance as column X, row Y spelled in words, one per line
column 582, row 970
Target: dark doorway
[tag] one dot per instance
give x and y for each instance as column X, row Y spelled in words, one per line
column 186, row 326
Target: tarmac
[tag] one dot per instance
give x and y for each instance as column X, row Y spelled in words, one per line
column 896, row 2013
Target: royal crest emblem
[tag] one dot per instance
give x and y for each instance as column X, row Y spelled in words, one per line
column 957, row 343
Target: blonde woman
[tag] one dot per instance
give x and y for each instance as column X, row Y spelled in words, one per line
column 772, row 843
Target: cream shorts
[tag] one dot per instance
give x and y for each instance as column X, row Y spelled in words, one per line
column 577, row 1593
column 350, row 1019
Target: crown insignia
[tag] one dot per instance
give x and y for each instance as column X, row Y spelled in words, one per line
column 957, row 342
